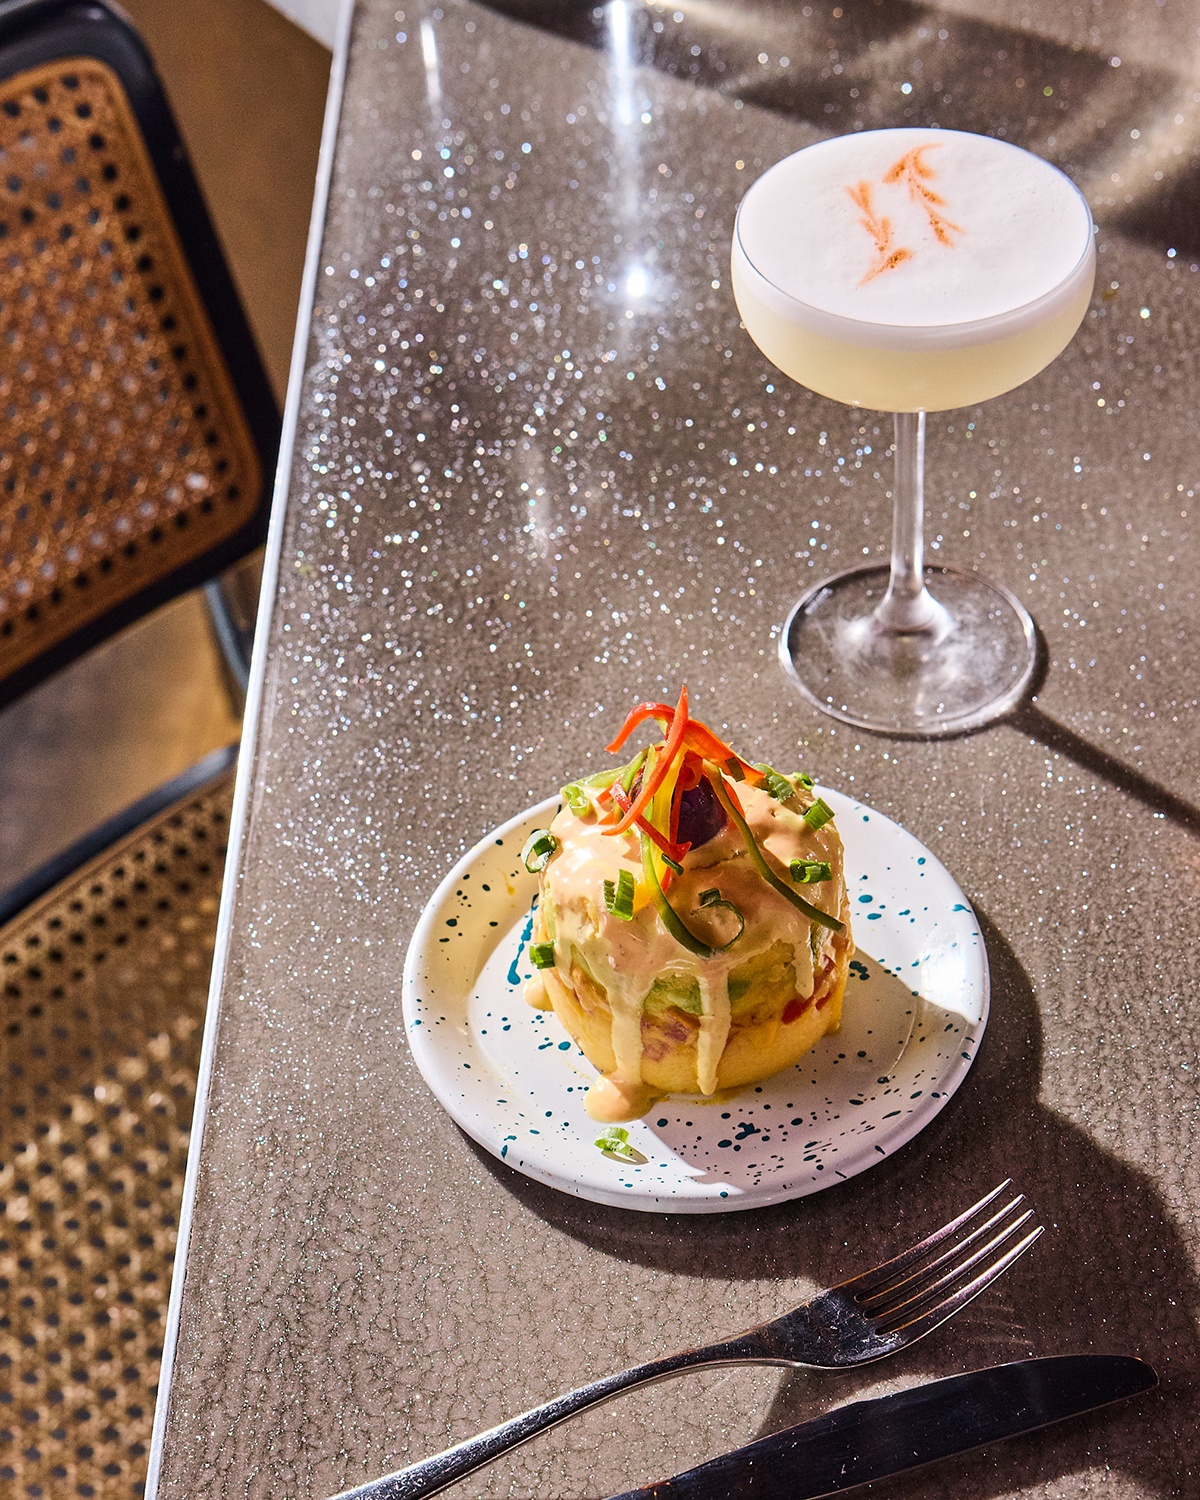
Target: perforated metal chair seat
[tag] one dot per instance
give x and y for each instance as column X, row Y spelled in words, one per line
column 104, row 981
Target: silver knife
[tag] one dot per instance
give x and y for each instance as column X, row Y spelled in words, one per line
column 870, row 1440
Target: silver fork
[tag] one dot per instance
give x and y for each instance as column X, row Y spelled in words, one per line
column 863, row 1319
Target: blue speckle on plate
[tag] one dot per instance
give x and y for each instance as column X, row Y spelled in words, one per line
column 514, row 976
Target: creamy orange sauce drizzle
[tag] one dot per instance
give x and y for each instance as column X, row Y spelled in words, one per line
column 914, row 173
column 625, row 958
column 610, row 1100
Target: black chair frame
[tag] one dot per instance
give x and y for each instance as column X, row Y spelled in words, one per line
column 36, row 32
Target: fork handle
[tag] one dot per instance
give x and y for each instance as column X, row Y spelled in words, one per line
column 434, row 1474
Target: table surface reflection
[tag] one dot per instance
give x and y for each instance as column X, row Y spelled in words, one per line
column 540, row 473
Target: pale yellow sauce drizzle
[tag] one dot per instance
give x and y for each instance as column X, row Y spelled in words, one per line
column 714, row 1024
column 536, row 993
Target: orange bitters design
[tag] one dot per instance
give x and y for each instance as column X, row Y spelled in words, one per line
column 914, row 173
column 887, row 256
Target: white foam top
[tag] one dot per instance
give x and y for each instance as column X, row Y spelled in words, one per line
column 915, row 228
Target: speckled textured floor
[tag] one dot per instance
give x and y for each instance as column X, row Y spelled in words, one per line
column 248, row 89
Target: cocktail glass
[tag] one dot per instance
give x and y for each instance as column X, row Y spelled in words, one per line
column 910, row 271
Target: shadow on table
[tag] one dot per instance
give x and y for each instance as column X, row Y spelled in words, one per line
column 1031, row 720
column 1111, row 1274
column 781, row 56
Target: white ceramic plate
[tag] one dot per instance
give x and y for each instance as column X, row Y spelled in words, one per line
column 916, row 1005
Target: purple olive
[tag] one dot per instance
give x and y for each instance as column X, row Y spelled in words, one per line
column 701, row 816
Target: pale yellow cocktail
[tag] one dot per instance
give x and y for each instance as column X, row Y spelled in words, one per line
column 912, row 271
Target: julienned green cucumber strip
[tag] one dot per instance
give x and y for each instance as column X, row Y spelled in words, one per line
column 575, row 793
column 629, row 772
column 670, row 917
column 813, row 913
column 709, row 899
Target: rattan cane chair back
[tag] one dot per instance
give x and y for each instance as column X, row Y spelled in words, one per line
column 137, row 429
column 104, row 980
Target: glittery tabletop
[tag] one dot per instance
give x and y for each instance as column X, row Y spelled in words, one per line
column 542, row 473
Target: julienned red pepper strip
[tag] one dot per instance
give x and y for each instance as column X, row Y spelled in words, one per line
column 639, row 715
column 691, row 772
column 669, row 847
column 663, row 763
column 676, row 800
column 609, row 814
column 690, row 776
column 623, row 784
column 699, row 737
column 621, row 797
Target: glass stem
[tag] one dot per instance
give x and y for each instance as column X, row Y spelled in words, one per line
column 908, row 605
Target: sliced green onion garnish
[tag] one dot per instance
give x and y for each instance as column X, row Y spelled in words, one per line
column 670, row 917
column 618, row 898
column 805, row 781
column 541, row 955
column 811, row 871
column 779, row 786
column 818, row 814
column 615, row 1142
column 709, row 899
column 813, row 913
column 539, row 846
column 671, row 864
column 576, row 798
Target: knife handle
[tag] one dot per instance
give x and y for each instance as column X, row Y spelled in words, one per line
column 443, row 1469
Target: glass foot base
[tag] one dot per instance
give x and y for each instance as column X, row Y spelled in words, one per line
column 971, row 666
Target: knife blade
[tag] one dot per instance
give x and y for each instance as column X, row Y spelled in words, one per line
column 889, row 1435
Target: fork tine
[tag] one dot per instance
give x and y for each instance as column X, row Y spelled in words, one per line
column 911, row 1301
column 867, row 1281
column 918, row 1327
column 920, row 1277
